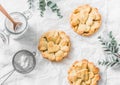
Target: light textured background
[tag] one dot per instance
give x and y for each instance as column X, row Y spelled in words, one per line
column 51, row 73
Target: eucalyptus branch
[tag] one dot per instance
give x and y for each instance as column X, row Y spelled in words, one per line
column 53, row 6
column 111, row 47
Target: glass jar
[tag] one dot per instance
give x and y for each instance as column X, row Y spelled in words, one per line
column 18, row 17
column 9, row 32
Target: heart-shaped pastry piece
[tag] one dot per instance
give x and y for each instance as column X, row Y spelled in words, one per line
column 52, row 47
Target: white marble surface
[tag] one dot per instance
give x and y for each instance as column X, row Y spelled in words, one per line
column 51, row 73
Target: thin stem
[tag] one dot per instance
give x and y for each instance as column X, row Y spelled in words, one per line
column 106, row 75
column 117, row 55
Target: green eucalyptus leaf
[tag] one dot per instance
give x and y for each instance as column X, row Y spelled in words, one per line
column 42, row 7
column 30, row 3
column 99, row 37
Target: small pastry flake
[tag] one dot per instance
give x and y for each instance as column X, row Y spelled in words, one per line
column 83, row 73
column 54, row 45
column 85, row 20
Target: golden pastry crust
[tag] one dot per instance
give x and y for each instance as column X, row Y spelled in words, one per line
column 54, row 45
column 83, row 73
column 85, row 20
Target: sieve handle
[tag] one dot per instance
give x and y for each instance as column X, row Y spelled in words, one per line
column 8, row 75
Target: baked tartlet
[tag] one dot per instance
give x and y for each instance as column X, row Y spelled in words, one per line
column 83, row 73
column 85, row 20
column 54, row 45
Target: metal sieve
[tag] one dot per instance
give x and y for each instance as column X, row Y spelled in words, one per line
column 23, row 62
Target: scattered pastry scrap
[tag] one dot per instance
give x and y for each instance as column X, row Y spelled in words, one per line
column 85, row 20
column 54, row 45
column 83, row 73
